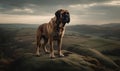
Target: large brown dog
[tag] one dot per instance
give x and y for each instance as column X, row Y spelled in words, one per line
column 54, row 30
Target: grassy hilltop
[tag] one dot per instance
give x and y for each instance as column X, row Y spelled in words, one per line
column 84, row 49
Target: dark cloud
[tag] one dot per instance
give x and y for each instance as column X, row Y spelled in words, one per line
column 82, row 9
column 48, row 2
column 108, row 12
column 39, row 6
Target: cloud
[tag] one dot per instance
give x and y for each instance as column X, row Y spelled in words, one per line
column 113, row 3
column 23, row 10
column 41, row 5
column 5, row 18
column 82, row 11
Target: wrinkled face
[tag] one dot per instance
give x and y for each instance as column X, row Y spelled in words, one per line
column 63, row 17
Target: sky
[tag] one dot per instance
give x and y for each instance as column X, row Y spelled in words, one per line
column 41, row 11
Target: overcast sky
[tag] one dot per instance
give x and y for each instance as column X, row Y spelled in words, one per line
column 41, row 11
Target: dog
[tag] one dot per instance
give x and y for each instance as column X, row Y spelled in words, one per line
column 52, row 31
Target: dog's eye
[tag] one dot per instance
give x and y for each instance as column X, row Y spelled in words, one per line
column 63, row 14
column 67, row 13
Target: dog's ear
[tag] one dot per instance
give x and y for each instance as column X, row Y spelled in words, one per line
column 58, row 14
column 69, row 18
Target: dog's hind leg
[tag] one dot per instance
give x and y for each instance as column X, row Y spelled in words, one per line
column 44, row 46
column 38, row 46
column 38, row 49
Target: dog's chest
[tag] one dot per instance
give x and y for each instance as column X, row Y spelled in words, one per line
column 56, row 36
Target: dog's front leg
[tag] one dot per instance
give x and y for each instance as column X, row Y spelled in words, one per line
column 59, row 42
column 51, row 49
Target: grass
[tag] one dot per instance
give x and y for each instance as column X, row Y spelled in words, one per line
column 82, row 53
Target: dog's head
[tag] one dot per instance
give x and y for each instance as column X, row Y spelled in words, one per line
column 62, row 16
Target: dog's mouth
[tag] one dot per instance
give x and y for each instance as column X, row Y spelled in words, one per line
column 65, row 18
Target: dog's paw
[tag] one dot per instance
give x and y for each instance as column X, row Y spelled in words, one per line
column 52, row 56
column 61, row 55
column 37, row 55
column 47, row 52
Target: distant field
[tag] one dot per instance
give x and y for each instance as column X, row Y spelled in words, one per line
column 17, row 39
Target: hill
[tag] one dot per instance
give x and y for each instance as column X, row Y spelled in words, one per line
column 91, row 61
column 109, row 31
column 83, row 52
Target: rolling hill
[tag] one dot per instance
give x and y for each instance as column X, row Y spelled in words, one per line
column 83, row 46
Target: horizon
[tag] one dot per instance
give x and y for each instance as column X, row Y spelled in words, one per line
column 91, row 12
column 66, row 25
